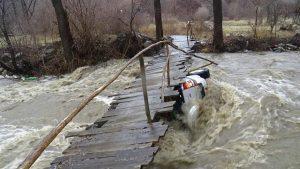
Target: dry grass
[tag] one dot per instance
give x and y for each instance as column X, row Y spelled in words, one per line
column 230, row 27
column 176, row 27
column 171, row 26
column 242, row 27
column 26, row 40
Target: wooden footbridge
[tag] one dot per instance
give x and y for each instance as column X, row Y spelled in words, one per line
column 126, row 136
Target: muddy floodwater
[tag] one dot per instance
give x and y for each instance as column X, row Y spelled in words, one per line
column 30, row 109
column 250, row 117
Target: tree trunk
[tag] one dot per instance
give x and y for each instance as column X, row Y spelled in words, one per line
column 218, row 28
column 256, row 22
column 158, row 20
column 10, row 49
column 64, row 30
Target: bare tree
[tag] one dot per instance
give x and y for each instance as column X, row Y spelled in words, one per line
column 5, row 9
column 218, row 26
column 28, row 7
column 257, row 6
column 158, row 20
column 273, row 13
column 135, row 8
column 296, row 15
column 64, row 31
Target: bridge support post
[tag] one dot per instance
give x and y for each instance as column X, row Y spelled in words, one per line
column 168, row 65
column 144, row 85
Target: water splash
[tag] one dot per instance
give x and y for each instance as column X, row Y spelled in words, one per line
column 30, row 109
column 249, row 118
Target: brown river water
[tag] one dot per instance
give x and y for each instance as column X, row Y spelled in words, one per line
column 250, row 117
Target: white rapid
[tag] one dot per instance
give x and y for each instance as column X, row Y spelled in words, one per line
column 30, row 109
column 250, row 117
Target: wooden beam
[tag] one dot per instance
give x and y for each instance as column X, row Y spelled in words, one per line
column 39, row 149
column 144, row 85
column 168, row 65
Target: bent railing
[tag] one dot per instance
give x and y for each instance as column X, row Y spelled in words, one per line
column 39, row 149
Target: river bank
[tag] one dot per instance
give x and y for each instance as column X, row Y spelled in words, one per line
column 233, row 44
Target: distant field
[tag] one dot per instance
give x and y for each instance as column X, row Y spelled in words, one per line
column 230, row 27
column 242, row 27
column 27, row 40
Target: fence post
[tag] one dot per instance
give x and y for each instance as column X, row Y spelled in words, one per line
column 168, row 65
column 144, row 85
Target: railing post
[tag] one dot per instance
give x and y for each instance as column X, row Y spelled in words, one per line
column 168, row 65
column 144, row 85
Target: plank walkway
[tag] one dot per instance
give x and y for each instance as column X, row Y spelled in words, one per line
column 122, row 138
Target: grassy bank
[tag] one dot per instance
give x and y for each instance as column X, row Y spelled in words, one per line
column 203, row 30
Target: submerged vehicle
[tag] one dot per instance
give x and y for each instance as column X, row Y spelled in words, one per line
column 195, row 85
column 192, row 90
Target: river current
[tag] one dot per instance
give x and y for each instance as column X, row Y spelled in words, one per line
column 250, row 117
column 30, row 109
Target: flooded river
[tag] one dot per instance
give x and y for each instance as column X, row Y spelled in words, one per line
column 249, row 119
column 30, row 109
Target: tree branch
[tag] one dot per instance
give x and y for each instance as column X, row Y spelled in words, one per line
column 4, row 66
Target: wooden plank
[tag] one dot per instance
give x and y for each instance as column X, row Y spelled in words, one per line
column 169, row 94
column 124, row 135
column 124, row 113
column 123, row 140
column 120, row 135
column 125, row 118
column 130, row 99
column 112, row 120
column 157, row 84
column 152, row 106
column 80, row 157
column 123, row 158
column 155, row 92
column 174, row 60
column 104, row 147
column 161, row 65
column 135, row 103
column 133, row 92
column 158, row 70
column 174, row 76
column 94, row 131
column 156, row 107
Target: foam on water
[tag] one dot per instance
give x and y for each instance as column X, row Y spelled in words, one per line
column 104, row 99
column 82, row 80
column 17, row 141
column 248, row 119
column 30, row 109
